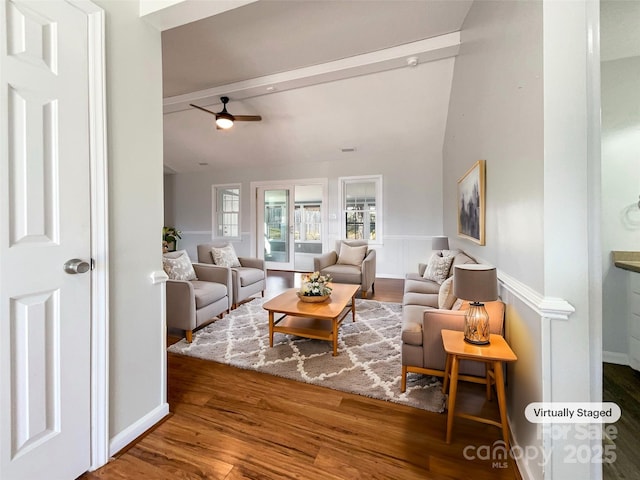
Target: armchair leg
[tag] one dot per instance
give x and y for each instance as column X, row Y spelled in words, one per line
column 403, row 379
column 188, row 335
column 373, row 288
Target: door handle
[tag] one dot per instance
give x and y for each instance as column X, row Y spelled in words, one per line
column 75, row 265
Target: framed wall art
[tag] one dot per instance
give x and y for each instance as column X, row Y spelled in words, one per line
column 471, row 203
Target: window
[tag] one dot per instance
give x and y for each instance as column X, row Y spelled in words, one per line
column 362, row 208
column 226, row 211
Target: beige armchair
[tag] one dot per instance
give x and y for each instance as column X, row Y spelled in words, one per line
column 247, row 279
column 422, row 350
column 342, row 271
column 193, row 303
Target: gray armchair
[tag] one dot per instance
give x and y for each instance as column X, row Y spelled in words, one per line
column 247, row 279
column 193, row 303
column 363, row 274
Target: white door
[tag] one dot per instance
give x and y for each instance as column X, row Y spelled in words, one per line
column 275, row 226
column 44, row 222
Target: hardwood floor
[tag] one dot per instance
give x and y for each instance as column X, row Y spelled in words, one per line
column 621, row 384
column 230, row 424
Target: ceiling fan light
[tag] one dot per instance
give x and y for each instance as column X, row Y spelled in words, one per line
column 224, row 121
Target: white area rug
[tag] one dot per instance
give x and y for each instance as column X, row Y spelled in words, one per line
column 368, row 361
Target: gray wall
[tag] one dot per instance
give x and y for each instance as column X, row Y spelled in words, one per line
column 134, row 116
column 620, row 190
column 496, row 114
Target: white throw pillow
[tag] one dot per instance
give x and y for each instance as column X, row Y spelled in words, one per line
column 225, row 256
column 438, row 268
column 351, row 255
column 178, row 266
column 446, row 299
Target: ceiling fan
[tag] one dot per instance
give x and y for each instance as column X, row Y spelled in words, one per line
column 224, row 119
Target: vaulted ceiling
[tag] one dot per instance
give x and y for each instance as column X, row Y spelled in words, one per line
column 324, row 75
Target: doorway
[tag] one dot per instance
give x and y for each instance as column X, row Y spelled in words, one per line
column 291, row 223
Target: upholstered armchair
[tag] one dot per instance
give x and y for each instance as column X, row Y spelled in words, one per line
column 248, row 277
column 195, row 302
column 351, row 262
column 422, row 349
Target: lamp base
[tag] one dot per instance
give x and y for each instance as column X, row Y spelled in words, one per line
column 476, row 325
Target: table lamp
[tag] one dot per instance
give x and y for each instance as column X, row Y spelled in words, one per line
column 439, row 243
column 476, row 283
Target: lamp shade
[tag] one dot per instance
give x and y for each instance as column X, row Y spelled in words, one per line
column 439, row 243
column 475, row 283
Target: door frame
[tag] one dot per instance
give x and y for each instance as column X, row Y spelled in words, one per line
column 253, row 188
column 99, row 371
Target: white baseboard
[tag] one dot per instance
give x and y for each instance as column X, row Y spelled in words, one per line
column 615, row 357
column 132, row 432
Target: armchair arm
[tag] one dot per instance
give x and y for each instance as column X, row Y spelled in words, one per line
column 325, row 260
column 181, row 305
column 369, row 270
column 212, row 273
column 252, row 262
column 217, row 274
column 434, row 321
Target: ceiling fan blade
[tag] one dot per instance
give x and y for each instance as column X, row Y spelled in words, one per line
column 247, row 118
column 203, row 109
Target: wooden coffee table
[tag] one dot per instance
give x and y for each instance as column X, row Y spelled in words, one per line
column 312, row 320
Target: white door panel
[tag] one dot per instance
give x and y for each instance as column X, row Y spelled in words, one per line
column 44, row 221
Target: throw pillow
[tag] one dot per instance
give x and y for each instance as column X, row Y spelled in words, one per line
column 225, row 256
column 351, row 255
column 438, row 268
column 178, row 266
column 446, row 299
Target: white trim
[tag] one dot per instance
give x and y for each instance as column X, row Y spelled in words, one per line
column 616, row 358
column 158, row 276
column 136, row 429
column 547, row 307
column 99, row 233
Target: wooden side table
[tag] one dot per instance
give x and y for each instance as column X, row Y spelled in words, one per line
column 492, row 355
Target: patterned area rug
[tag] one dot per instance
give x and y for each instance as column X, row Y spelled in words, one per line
column 368, row 361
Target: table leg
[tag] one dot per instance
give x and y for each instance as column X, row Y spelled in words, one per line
column 270, row 328
column 334, row 323
column 447, row 372
column 452, row 396
column 502, row 401
column 353, row 308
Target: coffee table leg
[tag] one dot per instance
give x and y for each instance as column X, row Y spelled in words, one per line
column 270, row 328
column 353, row 307
column 334, row 325
column 453, row 387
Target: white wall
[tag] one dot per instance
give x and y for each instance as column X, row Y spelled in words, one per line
column 496, row 114
column 134, row 115
column 411, row 165
column 620, row 191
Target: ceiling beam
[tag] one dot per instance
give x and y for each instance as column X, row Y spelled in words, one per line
column 428, row 50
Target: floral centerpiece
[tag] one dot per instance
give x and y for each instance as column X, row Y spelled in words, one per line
column 315, row 287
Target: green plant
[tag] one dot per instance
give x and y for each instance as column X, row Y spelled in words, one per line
column 171, row 234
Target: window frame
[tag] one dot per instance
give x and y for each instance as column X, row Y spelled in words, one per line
column 214, row 210
column 377, row 180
